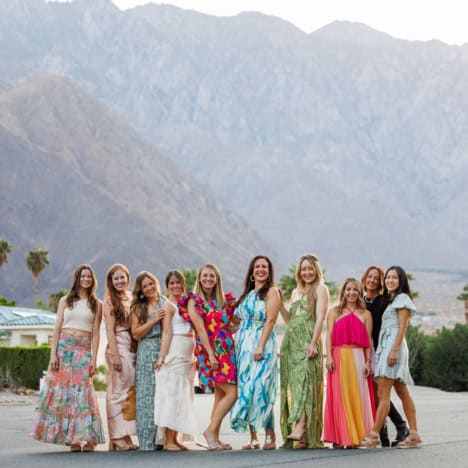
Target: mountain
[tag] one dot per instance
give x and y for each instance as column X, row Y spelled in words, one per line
column 75, row 179
column 346, row 141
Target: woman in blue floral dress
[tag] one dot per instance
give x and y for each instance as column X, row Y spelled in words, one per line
column 257, row 362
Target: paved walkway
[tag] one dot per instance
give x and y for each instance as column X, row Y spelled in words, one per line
column 443, row 421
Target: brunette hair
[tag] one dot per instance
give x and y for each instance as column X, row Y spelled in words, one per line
column 139, row 304
column 249, row 282
column 312, row 293
column 179, row 275
column 361, row 304
column 73, row 294
column 116, row 297
column 218, row 292
column 381, row 277
column 403, row 283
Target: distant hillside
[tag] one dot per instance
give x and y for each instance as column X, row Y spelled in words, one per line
column 77, row 180
column 346, row 141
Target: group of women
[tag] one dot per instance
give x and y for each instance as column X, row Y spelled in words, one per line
column 155, row 343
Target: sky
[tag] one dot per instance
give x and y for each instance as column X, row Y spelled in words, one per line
column 405, row 19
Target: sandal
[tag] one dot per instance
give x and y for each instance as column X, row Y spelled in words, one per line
column 370, row 441
column 270, row 442
column 254, row 445
column 412, row 441
column 225, row 445
column 75, row 448
column 89, row 448
column 212, row 444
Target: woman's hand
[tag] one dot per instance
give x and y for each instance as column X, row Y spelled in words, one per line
column 117, row 363
column 367, row 369
column 92, row 369
column 330, row 364
column 159, row 315
column 213, row 361
column 392, row 358
column 311, row 351
column 54, row 362
column 159, row 363
column 258, row 354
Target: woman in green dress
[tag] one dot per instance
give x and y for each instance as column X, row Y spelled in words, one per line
column 301, row 368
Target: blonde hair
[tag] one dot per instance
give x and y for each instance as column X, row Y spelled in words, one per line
column 361, row 304
column 218, row 292
column 312, row 293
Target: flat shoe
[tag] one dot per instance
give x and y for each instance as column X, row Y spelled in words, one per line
column 370, row 441
column 254, row 445
column 75, row 448
column 412, row 441
column 270, row 443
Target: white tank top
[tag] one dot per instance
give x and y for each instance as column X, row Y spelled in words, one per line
column 179, row 325
column 80, row 317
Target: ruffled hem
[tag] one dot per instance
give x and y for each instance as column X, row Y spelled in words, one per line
column 403, row 301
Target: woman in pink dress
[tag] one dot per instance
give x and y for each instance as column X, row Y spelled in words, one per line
column 349, row 408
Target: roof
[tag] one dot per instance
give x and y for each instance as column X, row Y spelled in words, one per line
column 24, row 317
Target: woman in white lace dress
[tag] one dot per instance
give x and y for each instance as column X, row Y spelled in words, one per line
column 173, row 405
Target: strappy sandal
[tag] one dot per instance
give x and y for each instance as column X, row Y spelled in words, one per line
column 75, row 448
column 89, row 448
column 412, row 441
column 370, row 441
column 225, row 445
column 270, row 443
column 253, row 445
column 212, row 444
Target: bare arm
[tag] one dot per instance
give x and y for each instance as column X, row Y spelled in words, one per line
column 139, row 331
column 54, row 364
column 368, row 324
column 273, row 303
column 109, row 320
column 403, row 319
column 320, row 312
column 96, row 338
column 330, row 323
column 166, row 334
column 285, row 314
column 199, row 326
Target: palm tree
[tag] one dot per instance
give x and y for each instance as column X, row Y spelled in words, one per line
column 5, row 249
column 464, row 297
column 36, row 261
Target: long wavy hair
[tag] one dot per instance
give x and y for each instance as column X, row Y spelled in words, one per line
column 361, row 304
column 312, row 293
column 403, row 284
column 249, row 282
column 73, row 294
column 139, row 304
column 116, row 297
column 381, row 278
column 180, row 276
column 218, row 291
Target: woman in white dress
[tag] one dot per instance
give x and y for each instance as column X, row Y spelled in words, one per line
column 175, row 370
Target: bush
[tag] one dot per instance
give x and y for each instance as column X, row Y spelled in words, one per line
column 445, row 363
column 100, row 378
column 22, row 365
column 417, row 342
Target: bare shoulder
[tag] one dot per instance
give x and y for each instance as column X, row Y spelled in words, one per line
column 273, row 292
column 322, row 290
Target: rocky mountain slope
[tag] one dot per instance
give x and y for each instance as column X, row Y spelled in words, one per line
column 346, row 141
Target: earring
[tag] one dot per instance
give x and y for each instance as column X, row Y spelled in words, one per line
column 141, row 296
column 252, row 279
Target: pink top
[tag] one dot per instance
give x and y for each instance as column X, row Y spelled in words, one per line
column 350, row 330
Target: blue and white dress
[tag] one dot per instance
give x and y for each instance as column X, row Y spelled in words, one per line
column 388, row 332
column 256, row 380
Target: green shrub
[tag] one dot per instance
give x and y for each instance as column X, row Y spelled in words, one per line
column 417, row 342
column 22, row 365
column 100, row 378
column 445, row 363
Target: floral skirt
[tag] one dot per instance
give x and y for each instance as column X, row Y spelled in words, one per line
column 68, row 413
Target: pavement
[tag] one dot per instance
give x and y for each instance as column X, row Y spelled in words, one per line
column 442, row 418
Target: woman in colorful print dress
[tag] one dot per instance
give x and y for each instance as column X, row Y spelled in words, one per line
column 173, row 401
column 68, row 413
column 153, row 333
column 257, row 364
column 120, row 358
column 349, row 407
column 210, row 311
column 392, row 368
column 301, row 358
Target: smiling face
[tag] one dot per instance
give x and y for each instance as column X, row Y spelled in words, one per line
column 119, row 281
column 149, row 288
column 351, row 292
column 392, row 282
column 308, row 272
column 208, row 279
column 373, row 281
column 86, row 279
column 261, row 270
column 175, row 286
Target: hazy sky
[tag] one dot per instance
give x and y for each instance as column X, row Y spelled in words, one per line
column 405, row 19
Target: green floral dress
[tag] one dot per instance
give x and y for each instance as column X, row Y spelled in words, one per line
column 301, row 377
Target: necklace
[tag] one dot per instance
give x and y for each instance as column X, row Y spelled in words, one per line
column 370, row 300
